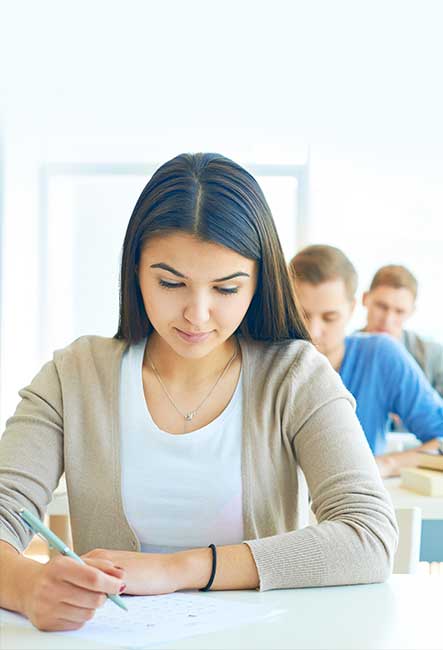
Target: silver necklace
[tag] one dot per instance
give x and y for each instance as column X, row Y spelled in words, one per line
column 188, row 417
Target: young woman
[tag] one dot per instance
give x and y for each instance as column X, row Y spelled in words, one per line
column 206, row 420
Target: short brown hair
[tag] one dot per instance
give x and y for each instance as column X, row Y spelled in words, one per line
column 321, row 263
column 395, row 276
column 216, row 200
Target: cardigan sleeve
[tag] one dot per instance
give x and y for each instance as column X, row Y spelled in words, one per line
column 31, row 455
column 356, row 535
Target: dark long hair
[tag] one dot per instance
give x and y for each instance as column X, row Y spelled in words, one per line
column 218, row 201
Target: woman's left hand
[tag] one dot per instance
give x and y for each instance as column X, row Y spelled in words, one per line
column 145, row 573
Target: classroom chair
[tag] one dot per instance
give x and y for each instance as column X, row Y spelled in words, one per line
column 407, row 555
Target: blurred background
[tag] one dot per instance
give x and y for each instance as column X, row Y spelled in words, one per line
column 336, row 106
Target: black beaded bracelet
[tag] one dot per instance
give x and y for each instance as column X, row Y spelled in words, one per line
column 214, row 568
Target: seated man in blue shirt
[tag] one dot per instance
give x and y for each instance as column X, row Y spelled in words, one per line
column 376, row 369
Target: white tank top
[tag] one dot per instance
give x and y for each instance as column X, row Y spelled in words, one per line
column 179, row 491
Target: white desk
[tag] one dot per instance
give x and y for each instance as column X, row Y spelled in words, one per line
column 404, row 613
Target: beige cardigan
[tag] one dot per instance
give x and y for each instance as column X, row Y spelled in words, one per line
column 299, row 426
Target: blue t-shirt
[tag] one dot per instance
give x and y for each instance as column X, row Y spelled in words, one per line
column 384, row 378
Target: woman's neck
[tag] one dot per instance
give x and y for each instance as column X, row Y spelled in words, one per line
column 179, row 370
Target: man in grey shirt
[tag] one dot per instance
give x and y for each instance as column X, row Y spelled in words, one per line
column 390, row 301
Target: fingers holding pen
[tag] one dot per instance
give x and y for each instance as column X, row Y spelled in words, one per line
column 70, row 594
column 94, row 574
column 65, row 594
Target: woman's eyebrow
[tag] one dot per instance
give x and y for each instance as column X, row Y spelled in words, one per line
column 166, row 267
column 233, row 275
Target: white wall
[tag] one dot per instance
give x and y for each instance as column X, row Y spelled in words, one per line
column 357, row 82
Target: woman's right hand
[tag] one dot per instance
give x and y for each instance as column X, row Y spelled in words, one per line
column 64, row 594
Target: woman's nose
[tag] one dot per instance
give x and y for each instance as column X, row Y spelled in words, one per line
column 197, row 311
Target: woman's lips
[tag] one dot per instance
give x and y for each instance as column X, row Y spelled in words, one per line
column 190, row 337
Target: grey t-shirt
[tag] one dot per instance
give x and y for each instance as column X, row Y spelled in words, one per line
column 429, row 356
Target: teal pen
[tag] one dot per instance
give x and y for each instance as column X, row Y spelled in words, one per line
column 40, row 529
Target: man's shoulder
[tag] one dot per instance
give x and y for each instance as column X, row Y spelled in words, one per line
column 367, row 342
column 375, row 352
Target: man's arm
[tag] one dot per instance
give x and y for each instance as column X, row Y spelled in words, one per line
column 391, row 464
column 409, row 394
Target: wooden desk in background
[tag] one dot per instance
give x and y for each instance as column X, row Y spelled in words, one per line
column 58, row 514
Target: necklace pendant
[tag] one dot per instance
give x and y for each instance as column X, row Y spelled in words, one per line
column 189, row 416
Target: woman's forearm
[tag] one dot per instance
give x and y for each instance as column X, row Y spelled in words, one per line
column 16, row 572
column 236, row 568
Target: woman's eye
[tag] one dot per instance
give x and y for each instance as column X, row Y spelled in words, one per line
column 170, row 285
column 227, row 290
